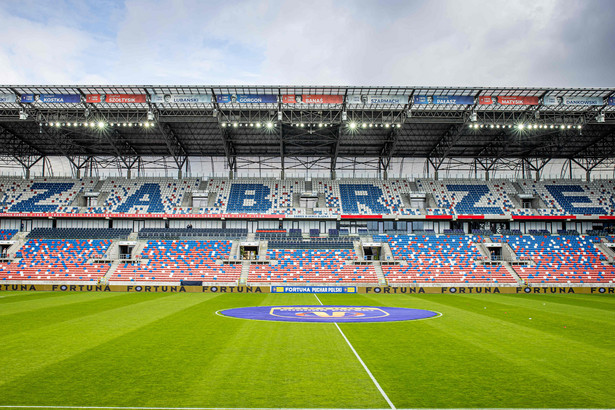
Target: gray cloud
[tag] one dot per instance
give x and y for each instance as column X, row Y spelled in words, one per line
column 548, row 43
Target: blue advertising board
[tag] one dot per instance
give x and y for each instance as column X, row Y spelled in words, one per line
column 313, row 289
column 247, row 98
column 60, row 98
column 453, row 99
column 27, row 98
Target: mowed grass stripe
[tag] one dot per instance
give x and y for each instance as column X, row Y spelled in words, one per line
column 26, row 353
column 590, row 327
column 54, row 299
column 57, row 313
column 539, row 352
column 580, row 301
column 195, row 358
column 10, row 297
column 468, row 359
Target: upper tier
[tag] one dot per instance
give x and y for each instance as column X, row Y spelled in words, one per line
column 313, row 198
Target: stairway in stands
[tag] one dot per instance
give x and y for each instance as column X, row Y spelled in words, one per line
column 381, row 279
column 512, row 272
column 245, row 270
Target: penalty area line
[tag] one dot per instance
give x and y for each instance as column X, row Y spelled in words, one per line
column 362, row 363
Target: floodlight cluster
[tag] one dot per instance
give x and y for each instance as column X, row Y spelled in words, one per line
column 524, row 126
column 268, row 125
column 353, row 125
column 98, row 124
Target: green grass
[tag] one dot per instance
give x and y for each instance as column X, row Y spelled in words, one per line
column 172, row 350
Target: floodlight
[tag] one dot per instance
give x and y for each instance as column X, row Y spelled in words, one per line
column 269, row 125
column 353, row 125
column 101, row 124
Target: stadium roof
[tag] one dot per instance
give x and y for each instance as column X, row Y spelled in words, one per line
column 553, row 125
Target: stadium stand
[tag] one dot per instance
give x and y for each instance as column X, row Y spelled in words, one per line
column 79, row 233
column 569, row 197
column 187, row 233
column 58, row 260
column 440, row 259
column 7, row 234
column 312, row 266
column 468, row 197
column 42, row 194
column 276, row 197
column 173, row 261
column 560, row 259
column 313, row 243
column 268, row 196
column 145, row 195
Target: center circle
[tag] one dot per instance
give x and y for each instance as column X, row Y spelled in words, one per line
column 328, row 314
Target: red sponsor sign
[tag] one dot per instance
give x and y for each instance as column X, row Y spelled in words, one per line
column 542, row 217
column 323, row 99
column 312, row 99
column 518, row 100
column 485, row 100
column 93, row 98
column 125, row 215
column 125, row 98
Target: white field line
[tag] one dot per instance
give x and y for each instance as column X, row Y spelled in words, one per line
column 362, row 363
column 250, row 408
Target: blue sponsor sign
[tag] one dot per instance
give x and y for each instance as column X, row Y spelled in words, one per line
column 60, row 98
column 421, row 99
column 27, row 98
column 611, row 100
column 453, row 99
column 247, row 98
column 313, row 289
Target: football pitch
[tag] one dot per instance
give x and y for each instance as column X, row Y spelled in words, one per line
column 172, row 350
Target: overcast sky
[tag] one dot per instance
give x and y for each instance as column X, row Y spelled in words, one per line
column 547, row 43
